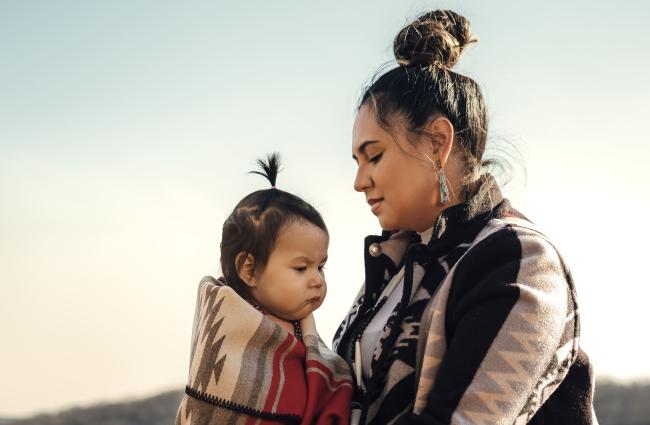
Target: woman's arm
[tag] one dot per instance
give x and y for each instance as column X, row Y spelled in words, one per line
column 511, row 331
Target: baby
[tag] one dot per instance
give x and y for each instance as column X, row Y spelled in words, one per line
column 256, row 356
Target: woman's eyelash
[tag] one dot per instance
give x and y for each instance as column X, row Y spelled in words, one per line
column 376, row 158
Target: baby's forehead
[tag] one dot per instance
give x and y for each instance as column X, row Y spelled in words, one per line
column 302, row 240
column 309, row 259
column 302, row 233
column 293, row 256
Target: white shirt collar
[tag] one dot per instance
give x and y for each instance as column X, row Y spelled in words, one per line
column 426, row 235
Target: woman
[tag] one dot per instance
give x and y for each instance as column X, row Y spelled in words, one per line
column 468, row 313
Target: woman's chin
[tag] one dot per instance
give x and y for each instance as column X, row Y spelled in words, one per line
column 386, row 223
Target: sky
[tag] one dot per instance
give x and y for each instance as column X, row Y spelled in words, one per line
column 127, row 129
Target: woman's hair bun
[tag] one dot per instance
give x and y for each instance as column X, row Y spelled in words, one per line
column 434, row 39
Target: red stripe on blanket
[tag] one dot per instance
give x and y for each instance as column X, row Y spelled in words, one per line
column 329, row 376
column 288, row 382
column 328, row 400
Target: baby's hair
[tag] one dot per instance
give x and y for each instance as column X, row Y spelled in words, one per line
column 255, row 223
column 270, row 168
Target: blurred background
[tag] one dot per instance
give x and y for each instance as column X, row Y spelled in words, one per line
column 127, row 129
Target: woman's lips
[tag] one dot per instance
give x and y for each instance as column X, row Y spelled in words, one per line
column 375, row 203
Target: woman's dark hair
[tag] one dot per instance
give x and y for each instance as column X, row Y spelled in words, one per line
column 255, row 223
column 423, row 85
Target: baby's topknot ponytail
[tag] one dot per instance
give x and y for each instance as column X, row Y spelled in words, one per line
column 270, row 168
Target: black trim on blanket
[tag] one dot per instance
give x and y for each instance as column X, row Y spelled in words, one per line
column 205, row 397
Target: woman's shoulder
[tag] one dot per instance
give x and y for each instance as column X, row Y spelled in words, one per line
column 511, row 252
column 516, row 235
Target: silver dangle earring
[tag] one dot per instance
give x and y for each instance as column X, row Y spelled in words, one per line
column 442, row 180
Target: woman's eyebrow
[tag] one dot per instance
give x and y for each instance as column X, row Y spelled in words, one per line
column 363, row 147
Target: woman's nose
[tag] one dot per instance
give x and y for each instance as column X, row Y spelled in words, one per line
column 362, row 180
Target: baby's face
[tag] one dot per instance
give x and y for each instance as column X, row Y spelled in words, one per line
column 293, row 282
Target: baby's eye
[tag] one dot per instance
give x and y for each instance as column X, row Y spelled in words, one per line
column 321, row 268
column 300, row 269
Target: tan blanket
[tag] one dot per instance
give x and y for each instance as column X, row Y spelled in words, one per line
column 247, row 369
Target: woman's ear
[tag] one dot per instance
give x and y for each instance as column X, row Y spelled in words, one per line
column 441, row 132
column 246, row 268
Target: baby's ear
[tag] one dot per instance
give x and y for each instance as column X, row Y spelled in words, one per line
column 246, row 268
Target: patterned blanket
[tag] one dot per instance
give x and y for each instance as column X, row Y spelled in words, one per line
column 247, row 369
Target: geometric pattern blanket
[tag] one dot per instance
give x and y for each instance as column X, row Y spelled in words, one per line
column 490, row 334
column 247, row 369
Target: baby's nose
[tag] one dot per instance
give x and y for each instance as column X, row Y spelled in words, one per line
column 318, row 281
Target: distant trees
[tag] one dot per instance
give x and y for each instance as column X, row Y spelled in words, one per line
column 615, row 404
column 158, row 410
column 618, row 404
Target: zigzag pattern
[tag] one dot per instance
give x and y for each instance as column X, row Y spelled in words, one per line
column 433, row 354
column 508, row 376
column 212, row 366
column 354, row 312
column 512, row 368
column 550, row 380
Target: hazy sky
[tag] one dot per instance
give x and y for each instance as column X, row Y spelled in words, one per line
column 127, row 127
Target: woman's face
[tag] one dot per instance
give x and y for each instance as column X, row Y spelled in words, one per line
column 397, row 178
